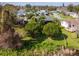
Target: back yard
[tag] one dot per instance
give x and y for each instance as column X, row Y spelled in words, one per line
column 35, row 34
column 41, row 45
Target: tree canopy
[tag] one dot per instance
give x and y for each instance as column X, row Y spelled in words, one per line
column 52, row 29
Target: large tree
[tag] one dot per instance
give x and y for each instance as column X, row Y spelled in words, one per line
column 34, row 26
column 8, row 37
column 76, row 8
column 52, row 29
column 31, row 26
column 70, row 8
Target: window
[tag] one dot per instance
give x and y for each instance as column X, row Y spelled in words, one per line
column 69, row 25
column 73, row 25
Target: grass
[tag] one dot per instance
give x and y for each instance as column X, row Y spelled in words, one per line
column 41, row 45
column 66, row 17
column 63, row 17
column 73, row 41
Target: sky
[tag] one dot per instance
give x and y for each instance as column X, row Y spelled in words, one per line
column 43, row 3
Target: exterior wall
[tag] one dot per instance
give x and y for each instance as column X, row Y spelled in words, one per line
column 68, row 26
column 74, row 15
column 64, row 24
column 71, row 29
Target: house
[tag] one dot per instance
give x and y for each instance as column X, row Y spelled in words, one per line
column 21, row 12
column 73, row 14
column 42, row 12
column 70, row 25
column 54, row 12
column 61, row 9
column 48, row 19
column 21, row 18
column 66, row 12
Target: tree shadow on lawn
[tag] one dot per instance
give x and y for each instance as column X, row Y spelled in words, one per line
column 28, row 44
column 60, row 37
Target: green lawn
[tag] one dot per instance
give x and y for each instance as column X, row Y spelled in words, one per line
column 73, row 41
column 66, row 17
column 63, row 17
column 52, row 44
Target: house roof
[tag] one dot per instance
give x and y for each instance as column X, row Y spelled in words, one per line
column 48, row 18
column 74, row 21
column 62, row 9
column 42, row 11
column 21, row 12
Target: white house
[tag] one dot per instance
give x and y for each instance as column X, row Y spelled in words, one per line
column 74, row 15
column 57, row 12
column 70, row 25
column 42, row 12
column 64, row 24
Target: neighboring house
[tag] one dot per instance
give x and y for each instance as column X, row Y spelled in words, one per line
column 57, row 16
column 48, row 19
column 56, row 12
column 66, row 12
column 42, row 12
column 61, row 9
column 30, row 12
column 64, row 24
column 70, row 25
column 21, row 12
column 73, row 14
column 21, row 18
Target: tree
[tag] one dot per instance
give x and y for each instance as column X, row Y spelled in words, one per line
column 50, row 8
column 10, row 8
column 34, row 27
column 28, row 6
column 76, row 8
column 10, row 12
column 31, row 26
column 1, row 16
column 58, row 28
column 51, row 29
column 70, row 8
column 30, row 15
column 8, row 37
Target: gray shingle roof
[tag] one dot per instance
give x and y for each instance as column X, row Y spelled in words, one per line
column 21, row 12
column 48, row 18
